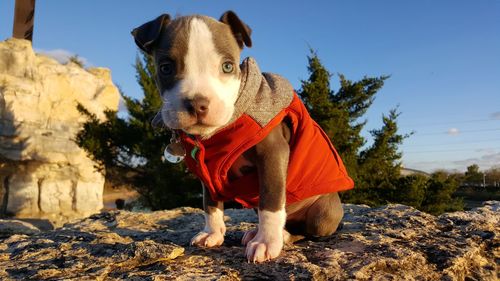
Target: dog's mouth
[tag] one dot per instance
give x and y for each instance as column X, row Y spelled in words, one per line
column 197, row 124
column 200, row 129
column 194, row 123
column 189, row 123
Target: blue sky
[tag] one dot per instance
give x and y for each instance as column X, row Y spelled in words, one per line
column 443, row 57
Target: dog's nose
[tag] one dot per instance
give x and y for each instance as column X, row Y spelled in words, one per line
column 197, row 105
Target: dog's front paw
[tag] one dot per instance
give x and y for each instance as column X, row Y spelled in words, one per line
column 263, row 246
column 248, row 236
column 208, row 239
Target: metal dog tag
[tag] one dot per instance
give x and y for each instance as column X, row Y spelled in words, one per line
column 174, row 152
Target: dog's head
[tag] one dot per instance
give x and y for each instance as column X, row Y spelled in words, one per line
column 197, row 68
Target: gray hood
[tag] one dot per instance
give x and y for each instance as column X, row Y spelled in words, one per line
column 262, row 95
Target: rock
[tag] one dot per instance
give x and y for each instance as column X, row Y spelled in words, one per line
column 393, row 242
column 43, row 172
column 11, row 227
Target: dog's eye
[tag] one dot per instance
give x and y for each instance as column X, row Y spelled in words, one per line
column 167, row 68
column 227, row 67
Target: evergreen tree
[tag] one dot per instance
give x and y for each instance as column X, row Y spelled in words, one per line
column 439, row 194
column 376, row 169
column 130, row 149
column 380, row 164
column 410, row 190
column 339, row 113
column 473, row 176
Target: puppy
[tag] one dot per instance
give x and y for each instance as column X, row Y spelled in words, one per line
column 245, row 134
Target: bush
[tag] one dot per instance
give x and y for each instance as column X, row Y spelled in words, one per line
column 411, row 190
column 439, row 194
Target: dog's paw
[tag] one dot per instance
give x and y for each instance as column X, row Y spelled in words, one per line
column 287, row 237
column 249, row 235
column 263, row 247
column 206, row 239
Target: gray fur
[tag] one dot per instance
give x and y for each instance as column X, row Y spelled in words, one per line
column 270, row 156
column 209, row 205
column 315, row 216
column 172, row 46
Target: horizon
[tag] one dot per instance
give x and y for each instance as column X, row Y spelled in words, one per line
column 442, row 57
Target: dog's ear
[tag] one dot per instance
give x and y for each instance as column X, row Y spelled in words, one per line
column 240, row 30
column 146, row 35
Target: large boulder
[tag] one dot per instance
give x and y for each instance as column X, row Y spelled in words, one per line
column 43, row 173
column 393, row 242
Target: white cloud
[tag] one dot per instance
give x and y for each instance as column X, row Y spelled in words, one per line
column 490, row 158
column 122, row 106
column 122, row 109
column 484, row 162
column 486, row 150
column 453, row 132
column 495, row 115
column 62, row 56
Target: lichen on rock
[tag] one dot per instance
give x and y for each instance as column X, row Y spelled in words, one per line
column 393, row 242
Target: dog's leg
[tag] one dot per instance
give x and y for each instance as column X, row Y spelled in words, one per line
column 324, row 215
column 315, row 216
column 213, row 233
column 271, row 159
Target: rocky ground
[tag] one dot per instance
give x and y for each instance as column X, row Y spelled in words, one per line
column 394, row 242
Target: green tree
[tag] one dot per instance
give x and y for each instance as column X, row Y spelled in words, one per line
column 473, row 176
column 410, row 190
column 439, row 194
column 129, row 149
column 380, row 162
column 339, row 113
column 375, row 169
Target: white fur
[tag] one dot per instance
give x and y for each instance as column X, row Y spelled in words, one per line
column 268, row 240
column 270, row 222
column 203, row 76
column 215, row 222
column 213, row 233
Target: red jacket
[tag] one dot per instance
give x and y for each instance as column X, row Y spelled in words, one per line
column 314, row 166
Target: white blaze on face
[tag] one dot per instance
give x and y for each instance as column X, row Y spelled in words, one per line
column 203, row 75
